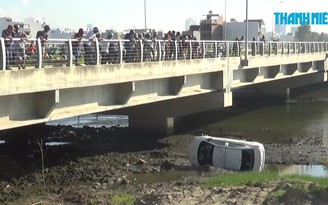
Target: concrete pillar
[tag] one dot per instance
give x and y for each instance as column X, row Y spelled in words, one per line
column 160, row 117
column 152, row 124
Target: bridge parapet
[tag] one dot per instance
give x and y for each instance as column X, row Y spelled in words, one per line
column 72, row 52
column 68, row 78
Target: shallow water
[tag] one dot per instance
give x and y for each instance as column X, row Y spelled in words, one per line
column 94, row 120
column 305, row 170
column 278, row 123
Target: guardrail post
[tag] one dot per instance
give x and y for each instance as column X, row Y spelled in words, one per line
column 159, row 50
column 190, row 49
column 227, row 49
column 39, row 53
column 294, row 48
column 175, row 50
column 3, row 54
column 215, row 49
column 70, row 53
column 237, row 49
column 288, row 48
column 141, row 51
column 270, row 48
column 203, row 49
column 120, row 50
column 97, row 52
column 282, row 48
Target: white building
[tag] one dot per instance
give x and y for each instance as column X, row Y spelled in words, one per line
column 61, row 34
column 256, row 28
column 190, row 22
column 5, row 21
column 281, row 29
column 34, row 26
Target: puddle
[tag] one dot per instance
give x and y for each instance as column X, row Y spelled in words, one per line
column 163, row 176
column 309, row 170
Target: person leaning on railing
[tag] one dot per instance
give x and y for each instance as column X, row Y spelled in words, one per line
column 8, row 35
column 18, row 47
column 253, row 46
column 90, row 52
column 77, row 46
column 43, row 36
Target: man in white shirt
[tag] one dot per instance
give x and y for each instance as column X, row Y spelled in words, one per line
column 89, row 46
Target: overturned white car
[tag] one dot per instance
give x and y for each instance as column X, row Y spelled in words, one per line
column 227, row 153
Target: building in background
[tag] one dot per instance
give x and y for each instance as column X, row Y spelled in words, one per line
column 89, row 27
column 211, row 28
column 256, row 28
column 280, row 29
column 5, row 21
column 189, row 22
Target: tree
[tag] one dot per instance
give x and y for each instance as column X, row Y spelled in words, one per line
column 303, row 32
column 314, row 36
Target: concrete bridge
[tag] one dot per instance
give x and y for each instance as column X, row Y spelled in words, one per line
column 154, row 82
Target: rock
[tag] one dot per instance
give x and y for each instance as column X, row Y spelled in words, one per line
column 141, row 161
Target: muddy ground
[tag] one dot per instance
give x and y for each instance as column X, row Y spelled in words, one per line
column 103, row 162
column 100, row 163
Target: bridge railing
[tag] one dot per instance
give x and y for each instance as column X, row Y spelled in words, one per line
column 33, row 53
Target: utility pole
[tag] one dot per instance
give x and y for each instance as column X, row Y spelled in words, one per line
column 145, row 11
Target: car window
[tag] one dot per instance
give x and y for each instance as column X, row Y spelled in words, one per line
column 217, row 142
column 205, row 153
column 231, row 144
column 247, row 161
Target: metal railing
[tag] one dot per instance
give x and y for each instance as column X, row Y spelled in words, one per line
column 33, row 53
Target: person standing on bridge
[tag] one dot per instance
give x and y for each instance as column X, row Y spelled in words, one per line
column 241, row 44
column 19, row 47
column 89, row 51
column 43, row 36
column 77, row 46
column 262, row 45
column 8, row 35
column 253, row 46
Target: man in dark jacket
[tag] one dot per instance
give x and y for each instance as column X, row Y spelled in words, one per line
column 8, row 35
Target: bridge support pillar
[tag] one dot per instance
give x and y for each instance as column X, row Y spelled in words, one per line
column 152, row 124
column 161, row 117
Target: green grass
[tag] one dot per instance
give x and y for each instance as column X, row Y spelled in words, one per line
column 251, row 178
column 123, row 199
column 241, row 178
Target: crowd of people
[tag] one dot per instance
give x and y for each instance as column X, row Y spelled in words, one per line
column 109, row 50
column 175, row 45
column 16, row 51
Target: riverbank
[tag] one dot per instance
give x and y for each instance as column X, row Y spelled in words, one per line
column 101, row 163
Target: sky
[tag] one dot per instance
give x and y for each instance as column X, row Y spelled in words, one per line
column 160, row 14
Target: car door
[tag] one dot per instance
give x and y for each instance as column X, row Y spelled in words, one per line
column 233, row 158
column 219, row 156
